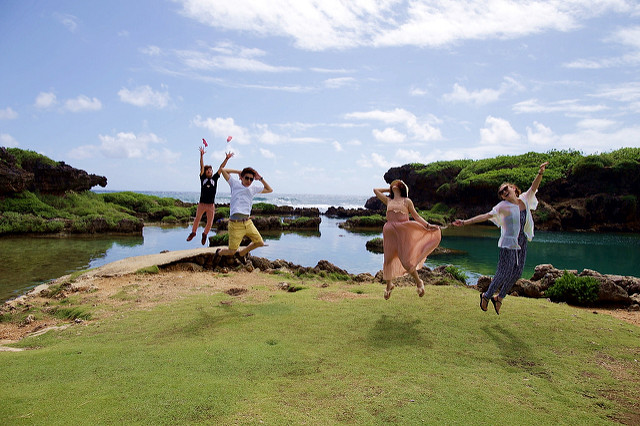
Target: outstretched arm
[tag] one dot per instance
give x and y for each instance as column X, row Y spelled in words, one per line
column 202, row 151
column 536, row 182
column 380, row 195
column 417, row 217
column 476, row 219
column 224, row 163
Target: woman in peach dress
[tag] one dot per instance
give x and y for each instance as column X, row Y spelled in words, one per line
column 406, row 243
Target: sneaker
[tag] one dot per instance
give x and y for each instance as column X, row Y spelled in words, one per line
column 204, row 239
column 191, row 235
column 241, row 259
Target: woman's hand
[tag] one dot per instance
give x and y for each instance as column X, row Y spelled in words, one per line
column 543, row 167
column 458, row 222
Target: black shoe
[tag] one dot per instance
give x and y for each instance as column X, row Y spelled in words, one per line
column 241, row 259
column 204, row 239
column 191, row 235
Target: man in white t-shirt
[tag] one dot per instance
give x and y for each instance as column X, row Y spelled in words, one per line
column 240, row 224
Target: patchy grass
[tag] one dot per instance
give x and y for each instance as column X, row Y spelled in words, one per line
column 331, row 354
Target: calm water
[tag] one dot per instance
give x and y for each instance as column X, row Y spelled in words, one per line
column 28, row 261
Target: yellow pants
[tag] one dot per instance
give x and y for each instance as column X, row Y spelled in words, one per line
column 237, row 230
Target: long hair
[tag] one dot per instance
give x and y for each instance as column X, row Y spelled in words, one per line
column 502, row 186
column 404, row 189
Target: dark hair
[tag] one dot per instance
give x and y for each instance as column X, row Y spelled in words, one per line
column 248, row 170
column 207, row 167
column 403, row 189
column 518, row 191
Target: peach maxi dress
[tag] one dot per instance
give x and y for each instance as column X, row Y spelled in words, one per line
column 406, row 243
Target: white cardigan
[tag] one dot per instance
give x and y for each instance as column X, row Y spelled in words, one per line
column 506, row 215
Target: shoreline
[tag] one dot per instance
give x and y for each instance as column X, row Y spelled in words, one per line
column 107, row 288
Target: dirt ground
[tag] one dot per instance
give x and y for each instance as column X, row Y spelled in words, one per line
column 116, row 284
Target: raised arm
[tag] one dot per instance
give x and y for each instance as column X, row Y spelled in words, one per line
column 267, row 189
column 476, row 219
column 379, row 193
column 536, row 182
column 227, row 172
column 202, row 151
column 224, row 163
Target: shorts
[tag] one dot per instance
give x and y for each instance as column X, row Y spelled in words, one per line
column 237, row 230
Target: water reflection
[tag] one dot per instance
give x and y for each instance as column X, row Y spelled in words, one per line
column 27, row 261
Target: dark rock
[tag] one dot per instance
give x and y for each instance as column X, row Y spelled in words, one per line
column 341, row 212
column 327, row 266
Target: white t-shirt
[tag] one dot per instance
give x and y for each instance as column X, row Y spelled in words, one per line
column 507, row 216
column 242, row 197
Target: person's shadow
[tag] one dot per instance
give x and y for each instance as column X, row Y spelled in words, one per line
column 514, row 352
column 397, row 331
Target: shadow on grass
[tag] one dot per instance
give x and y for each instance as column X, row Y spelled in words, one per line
column 397, row 331
column 514, row 352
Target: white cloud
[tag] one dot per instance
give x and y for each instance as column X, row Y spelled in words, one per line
column 314, row 25
column 337, row 146
column 389, row 135
column 8, row 140
column 266, row 153
column 569, row 106
column 144, row 96
column 381, row 161
column 223, row 127
column 481, row 96
column 45, row 100
column 83, row 103
column 628, row 37
column 597, row 124
column 420, row 129
column 541, row 135
column 69, row 21
column 8, row 114
column 336, row 83
column 498, row 131
column 227, row 56
column 126, row 145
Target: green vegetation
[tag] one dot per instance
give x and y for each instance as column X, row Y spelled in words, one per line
column 574, row 290
column 263, row 208
column 148, row 270
column 457, row 273
column 372, row 221
column 24, row 156
column 439, row 214
column 328, row 355
column 87, row 212
column 519, row 169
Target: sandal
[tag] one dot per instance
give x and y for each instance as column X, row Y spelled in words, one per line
column 484, row 302
column 496, row 304
column 387, row 292
column 421, row 290
column 191, row 235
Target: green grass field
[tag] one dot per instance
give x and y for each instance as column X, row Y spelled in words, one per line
column 315, row 357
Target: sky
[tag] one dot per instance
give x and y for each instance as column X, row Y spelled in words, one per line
column 319, row 96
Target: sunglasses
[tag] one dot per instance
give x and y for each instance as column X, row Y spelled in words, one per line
column 504, row 190
column 250, row 179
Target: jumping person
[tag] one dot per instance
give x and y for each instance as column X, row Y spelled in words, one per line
column 406, row 243
column 240, row 224
column 513, row 216
column 208, row 188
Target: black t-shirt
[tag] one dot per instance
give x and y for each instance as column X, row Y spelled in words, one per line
column 208, row 188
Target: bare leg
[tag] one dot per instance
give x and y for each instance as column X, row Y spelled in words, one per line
column 419, row 282
column 250, row 247
column 387, row 292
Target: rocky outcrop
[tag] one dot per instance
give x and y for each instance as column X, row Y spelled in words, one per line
column 38, row 175
column 276, row 223
column 614, row 289
column 593, row 199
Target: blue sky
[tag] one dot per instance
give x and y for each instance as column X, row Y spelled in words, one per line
column 321, row 97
